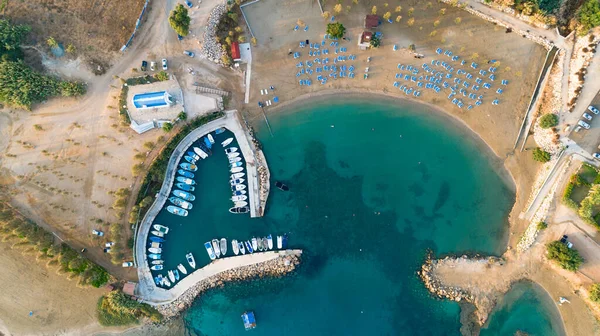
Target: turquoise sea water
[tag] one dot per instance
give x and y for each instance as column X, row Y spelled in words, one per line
column 373, row 187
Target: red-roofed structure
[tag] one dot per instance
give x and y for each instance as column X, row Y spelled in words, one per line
column 371, row 21
column 235, row 52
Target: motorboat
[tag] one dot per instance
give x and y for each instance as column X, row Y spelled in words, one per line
column 188, row 166
column 156, row 267
column 179, row 202
column 190, row 159
column 205, row 149
column 210, row 138
column 249, row 247
column 185, row 173
column 155, row 250
column 241, row 247
column 235, row 159
column 181, row 268
column 265, row 244
column 231, row 150
column 193, row 155
column 158, row 279
column 185, row 180
column 207, row 143
column 190, row 260
column 240, row 204
column 285, row 240
column 185, row 187
column 242, row 210
column 158, row 234
column 154, row 256
column 184, row 195
column 216, row 248
column 239, row 192
column 227, row 142
column 177, row 211
column 239, row 198
column 176, row 272
column 279, row 242
column 156, row 239
column 238, row 187
column 157, row 262
column 210, row 251
column 157, row 245
column 236, row 181
column 235, row 247
column 259, row 244
column 171, row 276
column 223, row 246
column 237, row 175
column 166, row 282
column 254, row 244
column 200, row 152
column 233, row 155
column 281, row 186
column 220, row 130
column 237, row 170
column 237, row 163
column 270, row 241
column 161, row 228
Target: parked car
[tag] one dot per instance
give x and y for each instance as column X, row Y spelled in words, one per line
column 189, row 3
column 144, row 66
column 164, row 65
column 593, row 109
column 188, row 53
column 179, row 37
column 152, row 65
column 127, row 264
column 98, row 233
column 569, row 245
column 583, row 124
column 596, row 156
column 109, row 244
column 587, row 116
column 106, row 250
column 577, row 129
column 564, row 239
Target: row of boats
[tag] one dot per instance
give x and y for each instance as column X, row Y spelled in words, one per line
column 218, row 248
column 236, row 181
column 155, row 245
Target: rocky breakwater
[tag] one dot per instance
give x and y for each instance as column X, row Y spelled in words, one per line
column 273, row 268
column 435, row 286
column 212, row 49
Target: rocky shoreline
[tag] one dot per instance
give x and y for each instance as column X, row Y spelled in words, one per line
column 435, row 287
column 272, row 268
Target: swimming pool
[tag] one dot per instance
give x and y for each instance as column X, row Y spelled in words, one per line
column 151, row 99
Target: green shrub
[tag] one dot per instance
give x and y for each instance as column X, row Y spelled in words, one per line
column 161, row 76
column 567, row 258
column 116, row 309
column 595, row 293
column 180, row 20
column 336, row 30
column 548, row 120
column 167, row 127
column 542, row 225
column 589, row 14
column 541, row 155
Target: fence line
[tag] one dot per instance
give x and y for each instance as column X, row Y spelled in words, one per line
column 137, row 25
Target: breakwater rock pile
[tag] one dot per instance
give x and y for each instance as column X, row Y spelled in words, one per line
column 273, row 268
column 211, row 49
column 435, row 286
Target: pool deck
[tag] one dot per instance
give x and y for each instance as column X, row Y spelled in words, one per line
column 146, row 288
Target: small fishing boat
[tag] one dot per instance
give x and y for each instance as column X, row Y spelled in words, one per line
column 279, row 242
column 259, row 244
column 182, row 269
column 239, row 192
column 270, row 241
column 233, row 155
column 254, row 244
column 205, row 149
column 237, row 181
column 216, row 249
column 155, row 250
column 240, row 204
column 249, row 247
column 166, row 282
column 190, row 159
column 242, row 210
column 177, row 211
column 231, row 150
column 157, row 262
column 154, row 256
column 235, row 159
column 285, row 240
column 223, row 246
column 249, row 320
column 185, row 187
column 157, row 267
column 181, row 203
column 207, row 143
column 237, row 163
column 241, row 247
column 220, row 130
column 193, row 155
column 200, row 152
column 238, row 187
column 185, row 173
column 185, row 180
column 227, row 142
column 188, row 166
column 161, row 228
column 158, row 234
column 210, row 251
column 171, row 276
column 190, row 260
column 239, row 198
column 237, row 170
column 210, row 138
column 265, row 244
column 281, row 186
column 153, row 244
column 237, row 175
column 184, row 195
column 235, row 247
column 176, row 272
column 156, row 239
column 158, row 279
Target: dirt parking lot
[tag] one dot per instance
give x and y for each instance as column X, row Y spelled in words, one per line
column 587, row 247
column 589, row 139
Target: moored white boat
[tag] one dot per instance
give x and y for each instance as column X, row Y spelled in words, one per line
column 237, row 170
column 184, row 195
column 239, row 198
column 279, row 242
column 200, row 152
column 166, row 282
column 227, row 142
column 215, row 245
column 155, row 250
column 161, row 228
column 190, row 260
column 270, row 241
column 241, row 247
column 210, row 251
column 237, row 163
column 185, row 180
column 254, row 244
column 237, row 181
column 240, row 204
column 238, row 187
column 239, row 192
column 249, row 247
column 234, row 159
column 237, row 176
column 157, row 233
column 265, row 244
column 154, row 256
column 181, row 203
column 235, row 247
column 241, row 210
column 223, row 246
column 171, row 276
column 233, row 155
column 259, row 244
column 182, row 269
column 157, row 262
column 210, row 138
column 157, row 267
column 231, row 150
column 177, row 211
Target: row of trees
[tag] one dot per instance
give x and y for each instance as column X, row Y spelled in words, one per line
column 116, row 309
column 31, row 238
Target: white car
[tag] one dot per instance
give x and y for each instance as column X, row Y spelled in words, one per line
column 596, row 156
column 127, row 264
column 587, row 116
column 593, row 109
column 583, row 124
column 109, row 244
column 153, row 66
column 164, row 64
column 98, row 233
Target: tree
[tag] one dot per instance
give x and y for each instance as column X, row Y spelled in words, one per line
column 457, row 20
column 253, row 40
column 442, row 11
column 70, row 49
column 374, row 10
column 337, row 9
column 567, row 258
column 11, row 37
column 326, row 15
column 180, row 20
column 436, row 23
column 387, row 16
column 541, row 225
column 548, row 120
column 375, row 42
column 595, row 293
column 410, row 22
column 589, row 14
column 167, row 127
column 411, row 10
column 233, row 16
column 52, row 42
column 182, row 115
column 398, row 9
column 70, row 89
column 336, row 30
column 161, row 76
column 541, row 155
column 398, row 18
